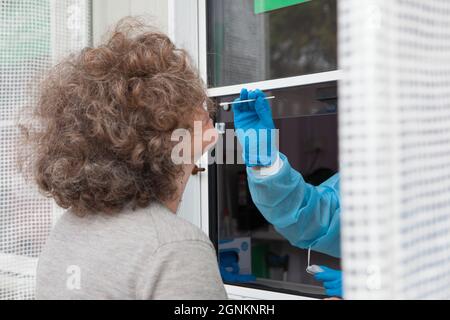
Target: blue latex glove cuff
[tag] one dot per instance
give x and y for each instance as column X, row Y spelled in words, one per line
column 258, row 146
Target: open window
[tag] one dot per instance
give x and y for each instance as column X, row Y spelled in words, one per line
column 290, row 53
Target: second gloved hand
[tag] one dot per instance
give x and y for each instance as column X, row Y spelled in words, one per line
column 332, row 281
column 255, row 129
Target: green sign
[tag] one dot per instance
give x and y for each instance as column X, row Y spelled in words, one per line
column 262, row 6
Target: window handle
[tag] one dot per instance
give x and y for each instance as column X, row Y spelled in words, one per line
column 197, row 169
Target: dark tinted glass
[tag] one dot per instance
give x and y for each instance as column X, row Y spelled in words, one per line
column 307, row 119
column 244, row 46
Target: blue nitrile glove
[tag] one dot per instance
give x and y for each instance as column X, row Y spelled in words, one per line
column 229, row 268
column 249, row 119
column 332, row 281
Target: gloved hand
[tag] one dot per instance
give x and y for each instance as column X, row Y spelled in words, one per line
column 332, row 281
column 253, row 120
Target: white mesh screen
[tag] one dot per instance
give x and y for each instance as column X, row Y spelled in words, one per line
column 33, row 35
column 395, row 148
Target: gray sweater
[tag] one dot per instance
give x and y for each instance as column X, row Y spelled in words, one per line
column 144, row 254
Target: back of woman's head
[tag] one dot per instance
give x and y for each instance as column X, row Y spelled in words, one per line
column 101, row 138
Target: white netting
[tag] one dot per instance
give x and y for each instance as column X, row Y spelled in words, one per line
column 33, row 35
column 395, row 148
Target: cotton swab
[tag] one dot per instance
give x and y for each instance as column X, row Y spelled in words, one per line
column 224, row 104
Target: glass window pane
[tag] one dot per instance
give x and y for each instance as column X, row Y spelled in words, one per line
column 307, row 119
column 244, row 46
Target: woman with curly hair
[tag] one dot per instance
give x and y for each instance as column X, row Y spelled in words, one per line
column 101, row 148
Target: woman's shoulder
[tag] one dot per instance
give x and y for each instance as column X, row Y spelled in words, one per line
column 171, row 228
column 149, row 227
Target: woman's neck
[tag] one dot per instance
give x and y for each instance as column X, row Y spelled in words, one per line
column 175, row 203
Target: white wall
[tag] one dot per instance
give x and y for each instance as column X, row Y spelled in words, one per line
column 106, row 13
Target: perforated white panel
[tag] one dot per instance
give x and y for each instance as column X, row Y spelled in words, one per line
column 395, row 148
column 34, row 34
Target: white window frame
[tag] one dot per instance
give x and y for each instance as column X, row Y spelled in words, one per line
column 272, row 84
column 197, row 47
column 279, row 83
